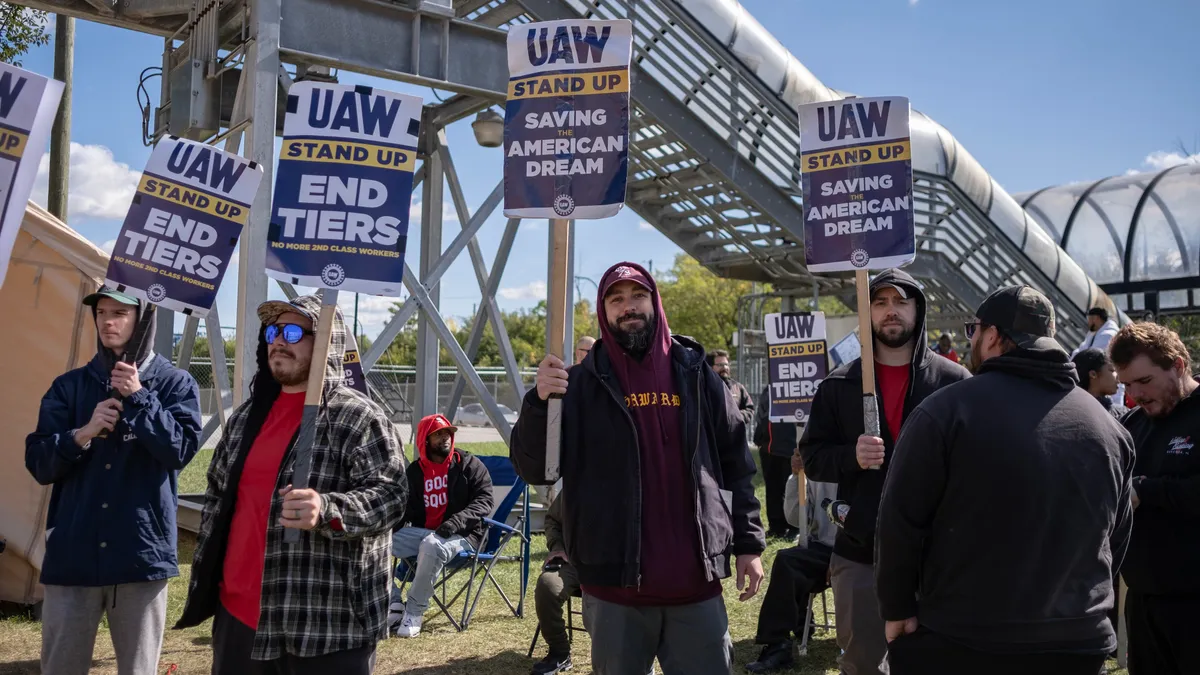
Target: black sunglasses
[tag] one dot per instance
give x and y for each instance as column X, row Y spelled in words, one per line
column 292, row 333
column 971, row 327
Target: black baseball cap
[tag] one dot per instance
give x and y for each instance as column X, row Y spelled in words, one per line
column 106, row 292
column 1023, row 314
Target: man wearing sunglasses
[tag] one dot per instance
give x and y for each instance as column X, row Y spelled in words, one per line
column 319, row 606
column 1006, row 511
column 835, row 450
column 111, row 439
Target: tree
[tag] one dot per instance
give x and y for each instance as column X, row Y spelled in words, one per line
column 21, row 29
column 700, row 304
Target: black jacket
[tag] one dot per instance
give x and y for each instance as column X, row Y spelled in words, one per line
column 836, row 422
column 601, row 470
column 777, row 438
column 469, row 499
column 1164, row 552
column 1006, row 510
column 741, row 399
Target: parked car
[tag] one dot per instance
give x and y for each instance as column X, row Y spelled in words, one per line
column 472, row 415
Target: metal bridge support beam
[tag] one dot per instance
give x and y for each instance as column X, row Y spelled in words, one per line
column 262, row 67
column 426, row 402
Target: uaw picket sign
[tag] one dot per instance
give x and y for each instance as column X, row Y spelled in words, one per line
column 27, row 106
column 796, row 363
column 856, row 163
column 566, row 123
column 343, row 189
column 185, row 220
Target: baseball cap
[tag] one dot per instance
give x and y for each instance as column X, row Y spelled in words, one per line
column 439, row 422
column 305, row 305
column 625, row 272
column 106, row 292
column 899, row 289
column 1023, row 314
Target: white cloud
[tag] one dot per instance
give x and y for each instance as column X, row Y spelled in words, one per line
column 109, row 245
column 100, row 186
column 448, row 213
column 373, row 311
column 1161, row 159
column 913, row 3
column 534, row 290
column 643, row 225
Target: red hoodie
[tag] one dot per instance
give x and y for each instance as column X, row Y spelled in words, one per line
column 671, row 569
column 436, row 487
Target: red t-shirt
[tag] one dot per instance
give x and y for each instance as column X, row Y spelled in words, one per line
column 893, row 389
column 241, row 582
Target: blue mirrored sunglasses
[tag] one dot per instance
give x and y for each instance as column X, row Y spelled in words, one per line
column 291, row 332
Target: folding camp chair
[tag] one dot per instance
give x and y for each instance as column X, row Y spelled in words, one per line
column 507, row 488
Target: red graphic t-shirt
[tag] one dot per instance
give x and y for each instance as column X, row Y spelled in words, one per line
column 241, row 582
column 893, row 389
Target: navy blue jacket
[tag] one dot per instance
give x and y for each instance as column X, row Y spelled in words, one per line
column 112, row 510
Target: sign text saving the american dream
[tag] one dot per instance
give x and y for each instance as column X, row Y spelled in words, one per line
column 566, row 129
column 856, row 163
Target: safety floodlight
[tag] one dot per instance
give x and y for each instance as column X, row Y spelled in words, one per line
column 489, row 128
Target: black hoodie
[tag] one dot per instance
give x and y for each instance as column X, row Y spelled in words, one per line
column 836, row 422
column 1006, row 510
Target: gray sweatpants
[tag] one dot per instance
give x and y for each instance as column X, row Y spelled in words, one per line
column 860, row 627
column 688, row 639
column 71, row 615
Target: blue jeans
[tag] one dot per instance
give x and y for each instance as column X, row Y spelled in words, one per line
column 432, row 553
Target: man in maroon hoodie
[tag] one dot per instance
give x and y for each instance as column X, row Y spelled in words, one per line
column 655, row 461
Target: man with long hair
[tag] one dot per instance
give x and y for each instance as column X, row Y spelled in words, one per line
column 319, row 606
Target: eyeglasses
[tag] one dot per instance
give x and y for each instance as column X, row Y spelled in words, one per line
column 292, row 333
column 971, row 327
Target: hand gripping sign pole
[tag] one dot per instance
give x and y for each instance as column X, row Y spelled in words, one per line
column 856, row 163
column 566, row 139
column 312, row 400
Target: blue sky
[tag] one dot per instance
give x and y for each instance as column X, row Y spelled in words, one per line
column 1040, row 93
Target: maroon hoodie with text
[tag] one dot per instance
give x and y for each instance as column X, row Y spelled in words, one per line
column 672, row 571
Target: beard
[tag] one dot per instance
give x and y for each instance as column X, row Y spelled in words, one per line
column 288, row 371
column 437, row 452
column 976, row 357
column 636, row 341
column 725, row 375
column 894, row 336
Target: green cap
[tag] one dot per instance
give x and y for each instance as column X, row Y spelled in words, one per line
column 106, row 292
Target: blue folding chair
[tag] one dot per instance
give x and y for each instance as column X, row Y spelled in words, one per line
column 507, row 488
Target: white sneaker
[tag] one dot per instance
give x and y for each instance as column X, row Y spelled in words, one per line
column 410, row 626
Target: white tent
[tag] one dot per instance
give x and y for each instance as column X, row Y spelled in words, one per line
column 47, row 331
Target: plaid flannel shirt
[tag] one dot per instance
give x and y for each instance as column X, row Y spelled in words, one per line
column 330, row 592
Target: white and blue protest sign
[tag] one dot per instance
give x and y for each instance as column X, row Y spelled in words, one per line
column 796, row 363
column 27, row 106
column 856, row 163
column 179, row 234
column 343, row 189
column 566, row 123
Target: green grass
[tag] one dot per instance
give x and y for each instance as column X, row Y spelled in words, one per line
column 495, row 644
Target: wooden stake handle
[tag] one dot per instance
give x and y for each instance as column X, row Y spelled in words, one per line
column 557, row 314
column 307, row 435
column 866, row 337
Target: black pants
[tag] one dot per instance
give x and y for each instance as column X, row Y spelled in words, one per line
column 795, row 574
column 927, row 653
column 233, row 641
column 1163, row 633
column 775, row 470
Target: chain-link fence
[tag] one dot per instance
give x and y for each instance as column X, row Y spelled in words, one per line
column 395, row 388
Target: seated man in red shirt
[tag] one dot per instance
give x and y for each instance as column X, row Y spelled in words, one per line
column 450, row 495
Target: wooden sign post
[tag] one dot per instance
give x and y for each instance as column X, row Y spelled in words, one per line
column 312, row 400
column 867, row 338
column 557, row 314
